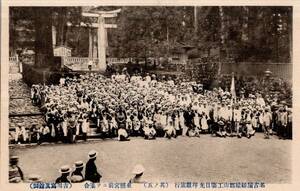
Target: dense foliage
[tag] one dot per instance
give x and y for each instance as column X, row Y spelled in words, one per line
column 255, row 34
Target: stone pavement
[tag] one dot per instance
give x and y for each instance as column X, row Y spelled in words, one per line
column 182, row 159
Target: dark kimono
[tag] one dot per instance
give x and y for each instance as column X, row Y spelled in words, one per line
column 91, row 172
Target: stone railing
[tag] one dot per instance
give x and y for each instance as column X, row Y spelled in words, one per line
column 177, row 62
column 13, row 59
column 119, row 60
column 79, row 63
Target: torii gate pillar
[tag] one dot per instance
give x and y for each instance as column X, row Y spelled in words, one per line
column 101, row 45
column 102, row 35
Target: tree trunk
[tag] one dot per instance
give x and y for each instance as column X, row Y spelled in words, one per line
column 290, row 30
column 195, row 20
column 223, row 29
column 62, row 27
column 43, row 37
column 245, row 23
column 222, row 37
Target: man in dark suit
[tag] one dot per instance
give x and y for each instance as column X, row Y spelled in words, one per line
column 188, row 118
column 91, row 172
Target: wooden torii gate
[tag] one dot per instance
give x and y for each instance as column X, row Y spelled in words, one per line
column 101, row 27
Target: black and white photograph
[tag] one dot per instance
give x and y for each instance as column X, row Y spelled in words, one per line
column 161, row 97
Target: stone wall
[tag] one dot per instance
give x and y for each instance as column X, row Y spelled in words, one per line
column 21, row 110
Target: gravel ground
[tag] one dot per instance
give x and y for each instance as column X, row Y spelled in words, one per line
column 182, row 159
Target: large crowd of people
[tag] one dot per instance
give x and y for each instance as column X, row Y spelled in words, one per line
column 124, row 106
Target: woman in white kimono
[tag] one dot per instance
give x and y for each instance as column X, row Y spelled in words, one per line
column 20, row 132
column 128, row 123
column 267, row 119
column 204, row 124
column 250, row 130
column 64, row 125
column 237, row 117
column 163, row 119
column 113, row 125
column 182, row 122
column 105, row 125
column 123, row 135
column 177, row 123
column 84, row 127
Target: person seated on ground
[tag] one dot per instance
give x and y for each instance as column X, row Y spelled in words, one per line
column 91, row 172
column 149, row 132
column 221, row 129
column 170, row 130
column 65, row 172
column 194, row 132
column 76, row 175
column 138, row 172
column 122, row 134
column 15, row 172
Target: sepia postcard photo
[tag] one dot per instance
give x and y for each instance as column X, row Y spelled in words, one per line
column 155, row 96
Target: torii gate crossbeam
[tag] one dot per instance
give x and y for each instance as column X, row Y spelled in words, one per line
column 102, row 33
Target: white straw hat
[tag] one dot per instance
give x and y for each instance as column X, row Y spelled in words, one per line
column 138, row 169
